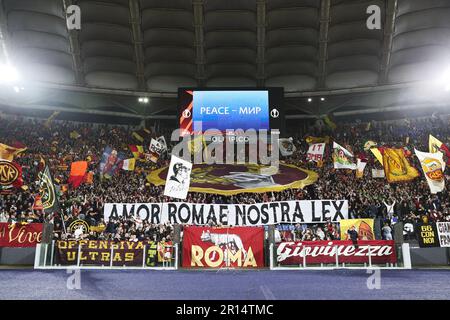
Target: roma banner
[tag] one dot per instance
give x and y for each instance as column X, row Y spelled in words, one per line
column 427, row 235
column 364, row 227
column 342, row 158
column 206, row 247
column 397, row 167
column 433, row 167
column 301, row 211
column 315, row 152
column 228, row 179
column 315, row 252
column 443, row 229
column 20, row 235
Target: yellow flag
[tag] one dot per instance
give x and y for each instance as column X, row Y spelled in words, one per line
column 313, row 140
column 377, row 154
column 196, row 144
column 434, row 144
column 397, row 167
column 8, row 152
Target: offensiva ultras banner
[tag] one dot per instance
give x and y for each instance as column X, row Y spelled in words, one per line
column 205, row 247
column 99, row 252
column 303, row 211
column 293, row 253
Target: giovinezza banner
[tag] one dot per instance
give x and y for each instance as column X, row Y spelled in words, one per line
column 205, row 247
column 316, row 252
column 302, row 211
column 20, row 235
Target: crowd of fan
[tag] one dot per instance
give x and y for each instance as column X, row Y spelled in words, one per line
column 368, row 197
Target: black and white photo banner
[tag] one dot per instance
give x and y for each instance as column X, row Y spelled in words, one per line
column 303, row 211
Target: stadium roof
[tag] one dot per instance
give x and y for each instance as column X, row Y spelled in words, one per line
column 312, row 48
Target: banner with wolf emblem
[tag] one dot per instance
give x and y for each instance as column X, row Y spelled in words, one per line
column 237, row 247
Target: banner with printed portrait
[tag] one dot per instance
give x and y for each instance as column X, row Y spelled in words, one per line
column 178, row 178
column 237, row 247
column 287, row 147
column 364, row 228
column 342, row 158
column 111, row 162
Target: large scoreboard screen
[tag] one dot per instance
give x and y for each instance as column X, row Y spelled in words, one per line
column 230, row 109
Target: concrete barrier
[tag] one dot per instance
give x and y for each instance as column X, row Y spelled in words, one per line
column 17, row 256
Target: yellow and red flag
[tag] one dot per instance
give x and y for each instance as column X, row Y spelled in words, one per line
column 397, row 167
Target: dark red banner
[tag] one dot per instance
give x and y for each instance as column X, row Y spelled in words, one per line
column 20, row 235
column 315, row 252
column 239, row 247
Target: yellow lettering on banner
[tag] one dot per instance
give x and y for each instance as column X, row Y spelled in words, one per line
column 104, row 256
column 93, row 255
column 61, row 244
column 428, row 240
column 129, row 256
column 196, row 256
column 213, row 264
column 92, row 245
column 83, row 243
column 140, row 245
column 427, row 234
column 117, row 257
column 250, row 259
column 103, row 244
column 71, row 255
column 237, row 257
column 72, row 243
column 83, row 256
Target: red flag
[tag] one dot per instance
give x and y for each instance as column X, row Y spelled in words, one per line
column 447, row 152
column 77, row 173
